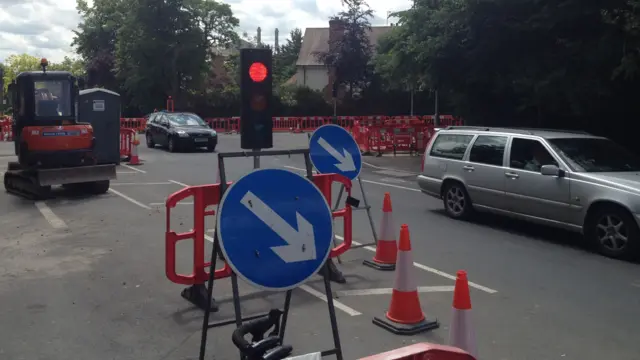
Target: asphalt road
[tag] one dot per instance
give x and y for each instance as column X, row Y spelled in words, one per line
column 84, row 278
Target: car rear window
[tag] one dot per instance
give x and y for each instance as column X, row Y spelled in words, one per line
column 450, row 146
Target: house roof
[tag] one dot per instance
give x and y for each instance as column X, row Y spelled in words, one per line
column 316, row 40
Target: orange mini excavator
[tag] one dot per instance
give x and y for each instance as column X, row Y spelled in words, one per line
column 53, row 148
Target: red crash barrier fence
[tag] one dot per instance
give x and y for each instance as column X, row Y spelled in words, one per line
column 423, row 351
column 397, row 133
column 205, row 196
column 305, row 123
column 127, row 136
column 5, row 129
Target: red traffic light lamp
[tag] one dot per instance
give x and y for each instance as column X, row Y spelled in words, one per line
column 258, row 72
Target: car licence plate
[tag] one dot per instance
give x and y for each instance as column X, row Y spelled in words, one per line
column 201, row 140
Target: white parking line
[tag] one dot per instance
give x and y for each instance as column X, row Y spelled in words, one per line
column 133, row 168
column 388, row 291
column 129, row 199
column 178, row 183
column 386, row 168
column 366, row 181
column 350, row 311
column 52, row 218
column 431, row 270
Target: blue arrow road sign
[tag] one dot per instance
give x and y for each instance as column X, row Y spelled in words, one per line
column 333, row 150
column 275, row 229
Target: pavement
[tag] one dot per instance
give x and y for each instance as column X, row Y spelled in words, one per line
column 84, row 277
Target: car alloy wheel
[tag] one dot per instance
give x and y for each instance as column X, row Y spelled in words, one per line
column 456, row 201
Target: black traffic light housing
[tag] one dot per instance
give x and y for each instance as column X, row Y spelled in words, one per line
column 256, row 124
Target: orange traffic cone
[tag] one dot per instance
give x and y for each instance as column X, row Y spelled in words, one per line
column 134, row 160
column 298, row 130
column 461, row 332
column 386, row 247
column 405, row 316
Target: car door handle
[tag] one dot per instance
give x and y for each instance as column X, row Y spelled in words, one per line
column 468, row 168
column 511, row 175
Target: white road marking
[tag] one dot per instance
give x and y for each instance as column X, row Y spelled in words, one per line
column 366, row 181
column 133, row 168
column 178, row 183
column 126, row 172
column 393, row 180
column 350, row 311
column 387, row 291
column 180, row 203
column 390, row 169
column 430, row 269
column 52, row 218
column 141, row 184
column 131, row 200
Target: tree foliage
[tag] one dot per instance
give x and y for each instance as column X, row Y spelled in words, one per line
column 15, row 64
column 527, row 62
column 349, row 55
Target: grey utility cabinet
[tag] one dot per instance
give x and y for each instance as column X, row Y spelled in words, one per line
column 101, row 109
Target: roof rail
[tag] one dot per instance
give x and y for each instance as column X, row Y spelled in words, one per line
column 555, row 130
column 458, row 127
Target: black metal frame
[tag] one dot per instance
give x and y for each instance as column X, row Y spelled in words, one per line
column 326, row 269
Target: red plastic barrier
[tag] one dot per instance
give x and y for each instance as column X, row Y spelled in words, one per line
column 324, row 182
column 136, row 124
column 127, row 136
column 208, row 195
column 203, row 197
column 423, row 351
column 5, row 129
column 381, row 139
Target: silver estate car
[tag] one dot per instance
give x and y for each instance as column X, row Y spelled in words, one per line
column 566, row 179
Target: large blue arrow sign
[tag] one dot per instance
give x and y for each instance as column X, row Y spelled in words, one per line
column 333, row 150
column 275, row 229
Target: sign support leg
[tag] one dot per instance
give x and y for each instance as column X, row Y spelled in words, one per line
column 337, row 350
column 366, row 207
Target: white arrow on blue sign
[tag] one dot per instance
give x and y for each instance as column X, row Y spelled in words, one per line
column 333, row 150
column 275, row 229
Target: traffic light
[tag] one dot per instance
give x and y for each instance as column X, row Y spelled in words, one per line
column 256, row 125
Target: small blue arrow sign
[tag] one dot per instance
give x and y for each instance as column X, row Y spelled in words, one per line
column 275, row 229
column 333, row 150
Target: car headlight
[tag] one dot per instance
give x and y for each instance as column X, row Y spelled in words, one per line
column 182, row 133
column 214, row 133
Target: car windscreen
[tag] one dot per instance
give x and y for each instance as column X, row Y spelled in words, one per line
column 595, row 155
column 186, row 120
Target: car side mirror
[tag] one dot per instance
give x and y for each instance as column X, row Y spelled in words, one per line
column 551, row 170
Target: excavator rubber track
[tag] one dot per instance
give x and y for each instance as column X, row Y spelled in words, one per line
column 16, row 182
column 36, row 184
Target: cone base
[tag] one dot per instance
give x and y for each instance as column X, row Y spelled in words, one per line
column 406, row 329
column 379, row 266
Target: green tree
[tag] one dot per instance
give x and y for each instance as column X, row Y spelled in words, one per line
column 17, row 63
column 284, row 60
column 350, row 55
column 160, row 52
column 96, row 38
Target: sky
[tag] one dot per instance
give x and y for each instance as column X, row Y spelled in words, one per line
column 44, row 28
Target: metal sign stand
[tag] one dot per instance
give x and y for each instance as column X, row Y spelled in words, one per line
column 367, row 208
column 206, row 325
column 341, row 140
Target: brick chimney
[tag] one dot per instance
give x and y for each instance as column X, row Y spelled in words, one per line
column 336, row 32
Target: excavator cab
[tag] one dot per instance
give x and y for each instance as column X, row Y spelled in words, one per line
column 42, row 98
column 53, row 148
